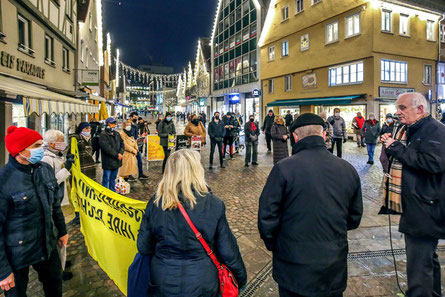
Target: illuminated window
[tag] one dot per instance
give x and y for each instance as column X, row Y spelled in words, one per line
column 287, row 83
column 285, row 48
column 332, row 32
column 346, row 74
column 404, row 24
column 430, row 30
column 298, row 6
column 386, row 21
column 353, row 25
column 271, row 53
column 428, row 75
column 393, row 71
column 284, row 13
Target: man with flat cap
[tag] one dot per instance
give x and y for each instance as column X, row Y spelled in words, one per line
column 305, row 213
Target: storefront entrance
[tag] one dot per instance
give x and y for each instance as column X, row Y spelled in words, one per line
column 253, row 108
column 347, row 112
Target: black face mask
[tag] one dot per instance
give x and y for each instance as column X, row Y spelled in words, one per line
column 195, row 122
column 217, row 117
column 252, row 120
column 135, row 120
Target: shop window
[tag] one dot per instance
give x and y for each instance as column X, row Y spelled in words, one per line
column 332, row 32
column 394, row 71
column 386, row 20
column 442, row 33
column 66, row 60
column 49, row 50
column 299, row 5
column 353, row 25
column 253, row 60
column 245, row 34
column 245, row 79
column 287, row 83
column 238, row 38
column 285, row 48
column 253, row 77
column 428, row 75
column 215, row 86
column 404, row 24
column 284, row 13
column 346, row 74
column 271, row 51
column 271, row 86
column 430, row 30
column 24, row 26
column 226, row 84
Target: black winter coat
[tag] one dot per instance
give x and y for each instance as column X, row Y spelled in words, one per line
column 288, row 120
column 165, row 128
column 180, row 267
column 216, row 131
column 387, row 129
column 280, row 150
column 267, row 124
column 85, row 147
column 111, row 144
column 31, row 219
column 230, row 132
column 248, row 133
column 423, row 178
column 304, row 216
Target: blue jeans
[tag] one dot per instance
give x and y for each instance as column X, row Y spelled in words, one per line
column 109, row 179
column 371, row 149
column 139, row 158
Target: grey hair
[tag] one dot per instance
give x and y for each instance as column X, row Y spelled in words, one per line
column 52, row 136
column 417, row 99
column 309, row 130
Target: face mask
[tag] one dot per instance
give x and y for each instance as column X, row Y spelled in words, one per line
column 195, row 122
column 60, row 146
column 252, row 120
column 372, row 118
column 86, row 134
column 216, row 117
column 359, row 117
column 128, row 128
column 337, row 114
column 36, row 155
column 168, row 119
column 135, row 120
column 109, row 128
column 389, row 120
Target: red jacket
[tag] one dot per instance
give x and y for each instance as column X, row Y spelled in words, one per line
column 360, row 122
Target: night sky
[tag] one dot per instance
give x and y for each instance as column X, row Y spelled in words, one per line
column 165, row 31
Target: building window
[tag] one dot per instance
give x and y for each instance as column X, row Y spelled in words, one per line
column 428, row 75
column 442, row 33
column 24, row 34
column 298, row 6
column 245, row 34
column 404, row 24
column 284, row 13
column 332, row 32
column 287, row 83
column 353, row 25
column 386, row 21
column 285, row 48
column 346, row 74
column 66, row 60
column 430, row 30
column 271, row 86
column 394, row 71
column 271, row 53
column 315, row 2
column 90, row 20
column 49, row 50
column 69, row 8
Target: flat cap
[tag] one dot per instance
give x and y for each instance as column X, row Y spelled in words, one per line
column 307, row 119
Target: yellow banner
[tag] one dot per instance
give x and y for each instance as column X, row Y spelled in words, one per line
column 155, row 152
column 109, row 223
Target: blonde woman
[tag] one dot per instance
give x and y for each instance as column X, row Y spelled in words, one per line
column 180, row 266
column 129, row 161
column 280, row 135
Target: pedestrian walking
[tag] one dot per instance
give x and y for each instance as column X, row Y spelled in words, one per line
column 166, row 128
column 32, row 224
column 112, row 147
column 84, row 145
column 96, row 129
column 135, row 133
column 195, row 128
column 173, row 247
column 371, row 132
column 251, row 132
column 387, row 127
column 129, row 160
column 289, row 119
column 357, row 127
column 415, row 189
column 280, row 135
column 230, row 126
column 216, row 133
column 304, row 215
column 267, row 126
column 339, row 127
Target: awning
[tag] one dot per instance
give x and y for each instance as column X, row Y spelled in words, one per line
column 315, row 101
column 39, row 100
column 97, row 98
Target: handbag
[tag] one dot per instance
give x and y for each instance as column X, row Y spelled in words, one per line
column 227, row 282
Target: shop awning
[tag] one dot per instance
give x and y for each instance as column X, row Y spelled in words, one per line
column 97, row 98
column 39, row 100
column 341, row 100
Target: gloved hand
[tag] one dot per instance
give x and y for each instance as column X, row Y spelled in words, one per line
column 344, row 140
column 69, row 163
column 69, row 156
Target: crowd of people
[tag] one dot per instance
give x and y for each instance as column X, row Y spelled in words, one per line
column 302, row 221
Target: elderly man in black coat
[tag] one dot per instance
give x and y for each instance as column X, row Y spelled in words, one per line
column 419, row 148
column 304, row 215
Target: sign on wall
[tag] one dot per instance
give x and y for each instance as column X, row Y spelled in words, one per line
column 389, row 92
column 90, row 77
column 310, row 81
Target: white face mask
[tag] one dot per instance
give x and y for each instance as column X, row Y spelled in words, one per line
column 128, row 128
column 389, row 120
column 60, row 146
column 337, row 114
column 371, row 118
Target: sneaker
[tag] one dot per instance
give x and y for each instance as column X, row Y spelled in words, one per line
column 66, row 275
column 131, row 178
column 143, row 176
column 255, row 163
column 246, row 165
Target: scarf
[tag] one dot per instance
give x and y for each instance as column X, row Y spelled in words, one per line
column 372, row 122
column 253, row 126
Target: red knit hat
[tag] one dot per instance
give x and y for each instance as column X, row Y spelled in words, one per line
column 17, row 139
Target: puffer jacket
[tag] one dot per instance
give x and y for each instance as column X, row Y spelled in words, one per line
column 165, row 128
column 180, row 267
column 339, row 126
column 31, row 219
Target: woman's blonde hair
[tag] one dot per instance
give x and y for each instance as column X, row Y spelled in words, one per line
column 125, row 124
column 183, row 174
column 279, row 120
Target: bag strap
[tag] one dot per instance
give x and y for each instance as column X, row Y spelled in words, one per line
column 199, row 237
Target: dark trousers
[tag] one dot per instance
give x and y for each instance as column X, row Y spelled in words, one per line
column 139, row 158
column 286, row 293
column 269, row 141
column 166, row 155
column 338, row 142
column 109, row 179
column 212, row 151
column 96, row 148
column 422, row 267
column 50, row 275
column 228, row 140
column 251, row 152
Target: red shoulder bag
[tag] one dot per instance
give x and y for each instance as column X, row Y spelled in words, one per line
column 227, row 282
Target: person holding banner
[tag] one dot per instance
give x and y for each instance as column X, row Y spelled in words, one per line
column 195, row 128
column 84, row 142
column 166, row 127
column 31, row 219
column 129, row 161
column 173, row 247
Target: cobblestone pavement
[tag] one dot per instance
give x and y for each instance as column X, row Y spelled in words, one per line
column 371, row 271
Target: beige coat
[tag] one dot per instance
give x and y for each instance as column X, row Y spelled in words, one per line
column 129, row 161
column 199, row 130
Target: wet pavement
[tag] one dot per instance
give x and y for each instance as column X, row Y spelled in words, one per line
column 370, row 263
